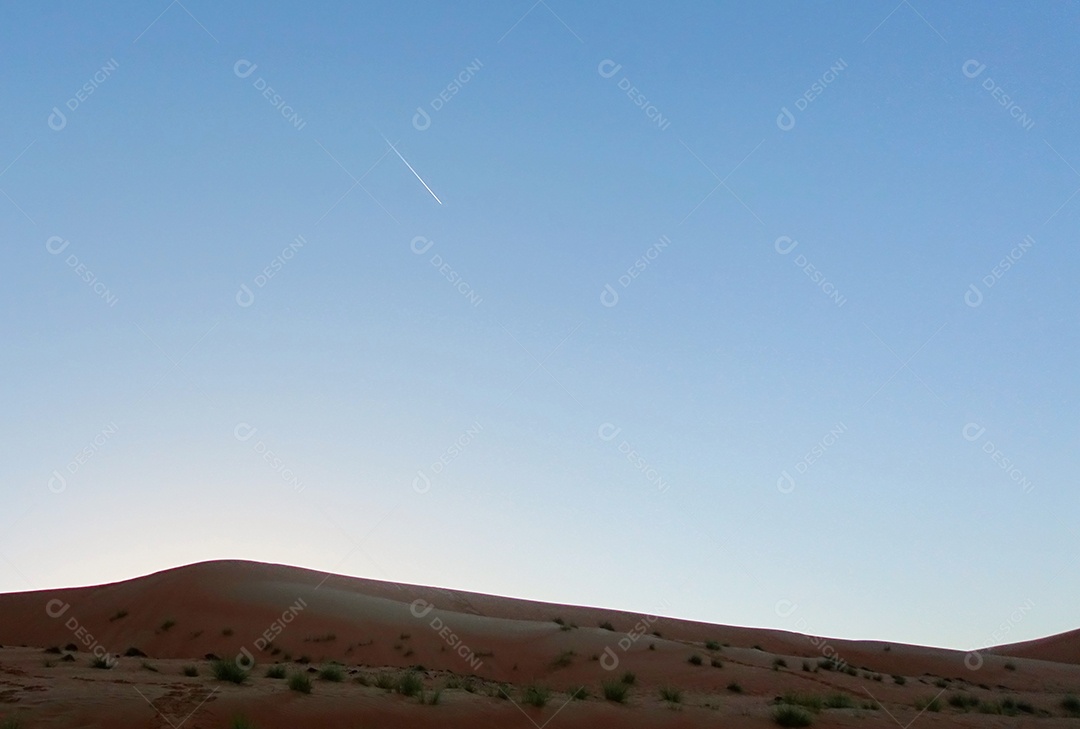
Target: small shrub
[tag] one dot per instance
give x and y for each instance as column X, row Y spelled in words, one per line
column 167, row 625
column 933, row 704
column 616, row 691
column 409, row 684
column 228, row 671
column 606, row 625
column 558, row 621
column 1071, row 705
column 385, row 681
column 535, row 696
column 806, row 665
column 275, row 671
column 300, row 682
column 734, row 688
column 716, row 663
column 963, row 701
column 839, row 701
column 807, row 701
column 435, row 696
column 580, row 693
column 191, row 671
column 55, row 650
column 134, row 653
column 712, row 645
column 779, row 663
column 899, row 680
column 1010, row 666
column 628, row 678
column 792, row 716
column 332, row 672
column 672, row 695
column 227, row 632
column 694, row 660
column 99, row 662
column 563, row 660
column 71, row 647
column 941, row 683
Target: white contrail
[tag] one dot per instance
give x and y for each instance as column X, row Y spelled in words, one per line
column 414, row 172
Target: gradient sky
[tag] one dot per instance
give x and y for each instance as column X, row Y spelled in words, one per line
column 462, row 416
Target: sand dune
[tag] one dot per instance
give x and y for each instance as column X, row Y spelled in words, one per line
column 483, row 652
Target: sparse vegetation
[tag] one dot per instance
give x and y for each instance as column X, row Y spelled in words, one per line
column 616, row 691
column 779, row 663
column 241, row 722
column 275, row 671
column 535, row 696
column 99, row 662
column 190, row 671
column 332, row 672
column 1071, row 705
column 789, row 716
column 734, row 688
column 695, row 660
column 672, row 695
column 300, row 682
column 712, row 645
column 716, row 663
column 409, row 684
column 563, row 660
column 606, row 625
column 167, row 625
column 963, row 701
column 807, row 701
column 628, row 678
column 228, row 671
column 899, row 680
column 134, row 652
column 931, row 704
column 1010, row 666
column 839, row 701
column 580, row 693
column 10, row 723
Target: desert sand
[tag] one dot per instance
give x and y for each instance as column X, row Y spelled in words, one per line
column 408, row 656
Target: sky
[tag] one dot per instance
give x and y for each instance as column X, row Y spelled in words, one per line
column 758, row 314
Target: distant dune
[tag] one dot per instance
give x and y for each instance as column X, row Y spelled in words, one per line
column 487, row 657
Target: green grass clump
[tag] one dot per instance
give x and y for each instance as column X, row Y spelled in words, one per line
column 535, row 696
column 792, row 716
column 228, row 671
column 275, row 671
column 963, row 701
column 409, row 684
column 300, row 682
column 839, row 701
column 807, row 701
column 385, row 681
column 616, row 691
column 672, row 695
column 932, row 704
column 695, row 660
column 332, row 672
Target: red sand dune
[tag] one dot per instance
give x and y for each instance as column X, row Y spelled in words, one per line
column 475, row 647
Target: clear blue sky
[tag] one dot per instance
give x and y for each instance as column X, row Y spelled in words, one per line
column 794, row 296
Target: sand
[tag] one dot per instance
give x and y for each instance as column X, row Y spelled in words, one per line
column 481, row 653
